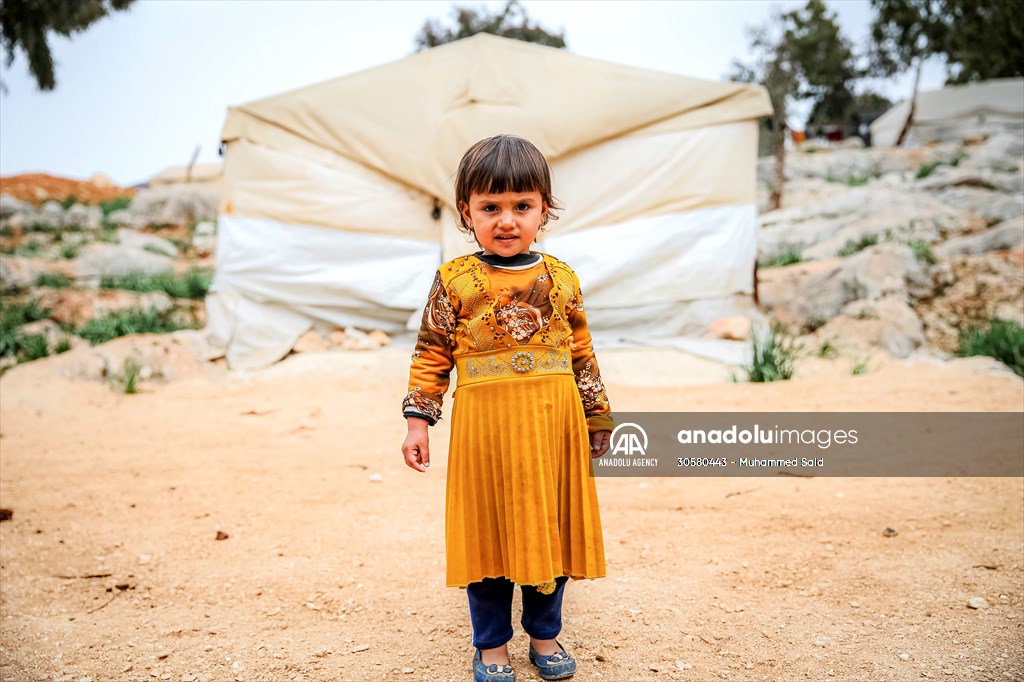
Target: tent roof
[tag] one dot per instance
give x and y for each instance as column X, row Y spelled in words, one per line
column 412, row 119
column 999, row 96
column 200, row 172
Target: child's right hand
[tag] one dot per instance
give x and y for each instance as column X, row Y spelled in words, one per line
column 416, row 447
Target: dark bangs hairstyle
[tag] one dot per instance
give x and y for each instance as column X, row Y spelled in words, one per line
column 503, row 163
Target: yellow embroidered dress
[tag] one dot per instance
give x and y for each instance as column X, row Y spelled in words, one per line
column 520, row 501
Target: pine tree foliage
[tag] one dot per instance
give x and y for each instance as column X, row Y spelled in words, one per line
column 25, row 24
column 510, row 22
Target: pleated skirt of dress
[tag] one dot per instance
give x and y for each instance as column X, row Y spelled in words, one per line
column 520, row 500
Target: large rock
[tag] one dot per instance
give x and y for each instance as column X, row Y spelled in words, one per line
column 17, row 274
column 994, row 207
column 75, row 307
column 147, row 242
column 1003, row 151
column 1002, row 237
column 888, row 324
column 118, row 260
column 9, row 206
column 885, row 214
column 877, row 272
column 84, row 216
column 50, row 216
column 946, row 177
column 175, row 205
column 846, row 165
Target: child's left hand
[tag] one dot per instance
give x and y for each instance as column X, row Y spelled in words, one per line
column 599, row 442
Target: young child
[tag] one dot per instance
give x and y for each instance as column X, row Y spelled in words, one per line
column 529, row 411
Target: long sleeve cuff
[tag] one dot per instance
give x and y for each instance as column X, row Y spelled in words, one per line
column 600, row 422
column 416, row 413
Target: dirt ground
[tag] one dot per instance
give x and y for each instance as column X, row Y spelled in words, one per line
column 333, row 564
column 39, row 187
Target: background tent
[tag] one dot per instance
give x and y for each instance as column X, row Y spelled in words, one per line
column 338, row 198
column 946, row 115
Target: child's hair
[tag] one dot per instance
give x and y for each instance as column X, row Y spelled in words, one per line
column 503, row 163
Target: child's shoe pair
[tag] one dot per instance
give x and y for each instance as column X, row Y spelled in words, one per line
column 556, row 666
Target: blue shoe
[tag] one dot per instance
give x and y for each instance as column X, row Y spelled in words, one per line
column 557, row 666
column 491, row 673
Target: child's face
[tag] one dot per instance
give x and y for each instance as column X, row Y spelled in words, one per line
column 505, row 224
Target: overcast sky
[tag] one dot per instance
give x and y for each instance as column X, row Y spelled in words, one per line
column 139, row 90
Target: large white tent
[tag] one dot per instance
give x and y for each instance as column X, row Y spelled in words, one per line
column 947, row 115
column 338, row 198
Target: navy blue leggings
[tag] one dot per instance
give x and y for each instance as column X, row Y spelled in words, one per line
column 490, row 610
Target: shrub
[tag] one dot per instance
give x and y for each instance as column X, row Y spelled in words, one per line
column 70, row 251
column 56, row 280
column 69, row 201
column 1000, row 339
column 132, row 321
column 923, row 251
column 117, row 204
column 858, row 180
column 789, row 256
column 130, row 376
column 193, row 284
column 853, row 246
column 828, row 350
column 774, row 355
column 859, row 367
column 154, row 248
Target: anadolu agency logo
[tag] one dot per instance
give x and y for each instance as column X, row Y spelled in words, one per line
column 629, row 439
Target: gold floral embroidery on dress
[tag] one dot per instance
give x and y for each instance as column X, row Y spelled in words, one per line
column 521, row 320
column 591, row 388
column 422, row 403
column 440, row 314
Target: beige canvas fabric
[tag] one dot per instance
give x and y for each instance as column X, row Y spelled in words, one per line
column 944, row 115
column 411, row 120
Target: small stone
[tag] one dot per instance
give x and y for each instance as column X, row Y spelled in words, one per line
column 683, row 666
column 820, row 641
column 408, row 671
column 165, row 676
column 977, row 603
column 656, row 667
column 208, row 647
column 360, row 647
column 855, row 604
column 904, row 657
column 188, row 678
column 601, row 656
column 221, row 535
column 162, row 655
column 890, row 532
column 376, row 478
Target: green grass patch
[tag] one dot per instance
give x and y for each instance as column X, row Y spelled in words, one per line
column 132, row 321
column 55, row 280
column 923, row 251
column 192, row 284
column 29, row 249
column 153, row 248
column 70, row 251
column 928, row 168
column 789, row 256
column 854, row 245
column 774, row 355
column 828, row 350
column 859, row 367
column 999, row 339
column 14, row 343
column 117, row 204
column 129, row 382
column 69, row 201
